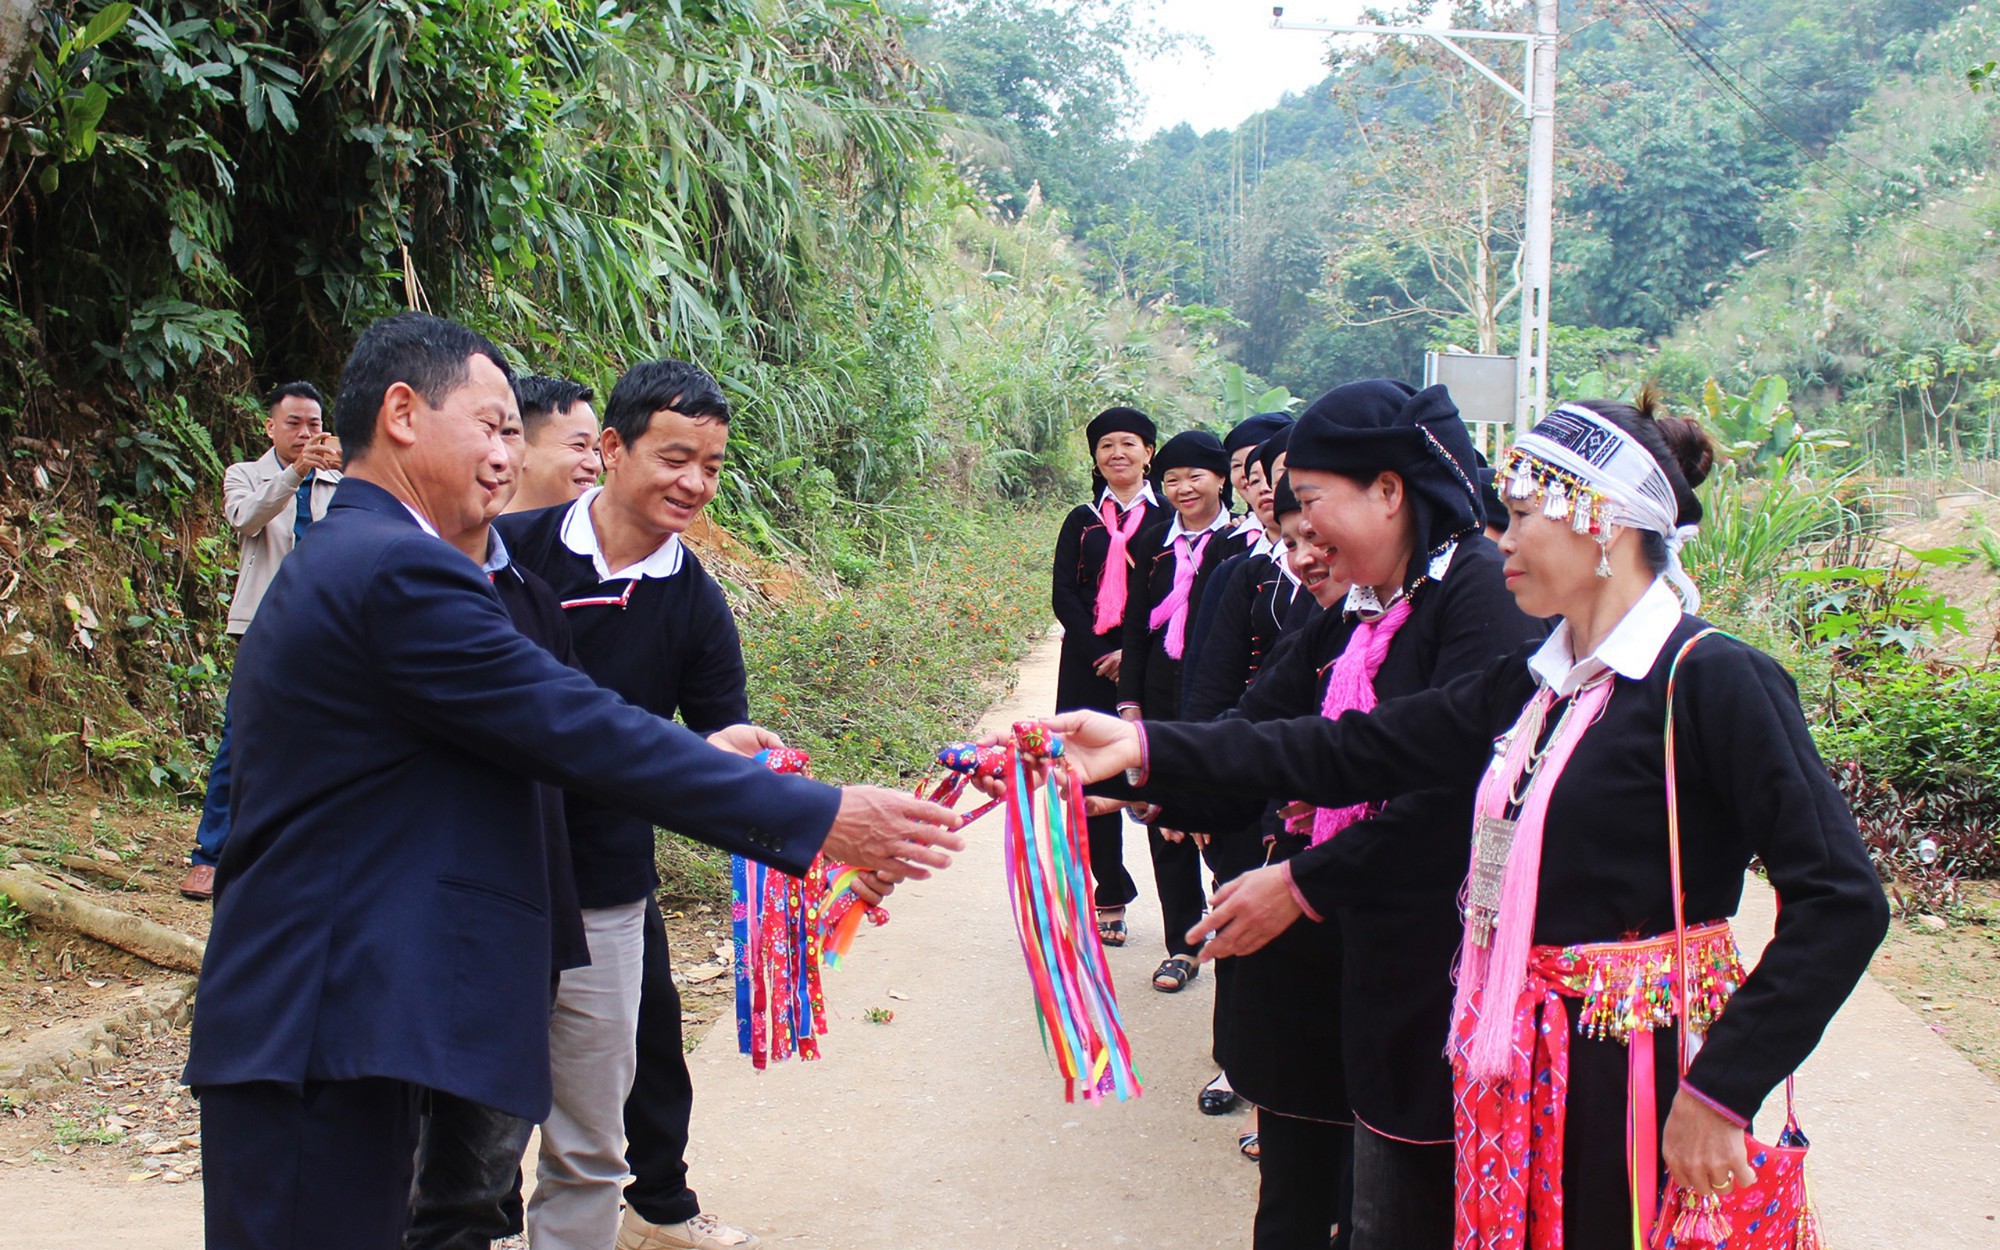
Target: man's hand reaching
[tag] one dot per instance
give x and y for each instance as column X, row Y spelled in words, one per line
column 745, row 740
column 895, row 835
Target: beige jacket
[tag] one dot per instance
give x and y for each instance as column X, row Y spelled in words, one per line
column 260, row 499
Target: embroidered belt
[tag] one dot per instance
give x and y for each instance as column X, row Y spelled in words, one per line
column 1510, row 1132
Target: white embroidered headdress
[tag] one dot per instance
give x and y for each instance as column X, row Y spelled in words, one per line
column 1589, row 472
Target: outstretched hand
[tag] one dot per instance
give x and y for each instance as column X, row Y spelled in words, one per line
column 1246, row 914
column 896, row 836
column 745, row 739
column 1095, row 746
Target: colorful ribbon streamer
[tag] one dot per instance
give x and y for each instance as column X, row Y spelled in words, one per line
column 1049, row 887
column 784, row 928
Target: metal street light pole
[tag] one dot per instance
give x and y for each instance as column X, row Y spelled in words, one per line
column 1532, row 396
column 1537, row 98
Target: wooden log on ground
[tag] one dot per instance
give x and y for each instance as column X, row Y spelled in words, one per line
column 97, row 867
column 154, row 943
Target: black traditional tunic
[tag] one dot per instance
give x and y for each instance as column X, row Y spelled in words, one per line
column 1243, row 612
column 1081, row 549
column 1148, row 677
column 1751, row 784
column 1080, row 552
column 1387, row 887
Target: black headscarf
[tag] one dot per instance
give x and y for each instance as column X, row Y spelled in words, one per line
column 1194, row 449
column 1121, row 421
column 1282, row 499
column 1495, row 507
column 1271, row 448
column 1364, row 428
column 1253, row 430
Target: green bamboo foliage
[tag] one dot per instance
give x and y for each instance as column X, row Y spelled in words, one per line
column 752, row 184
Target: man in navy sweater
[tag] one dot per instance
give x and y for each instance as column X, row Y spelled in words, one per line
column 651, row 624
column 391, row 933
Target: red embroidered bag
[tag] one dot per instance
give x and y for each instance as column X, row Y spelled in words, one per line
column 1774, row 1212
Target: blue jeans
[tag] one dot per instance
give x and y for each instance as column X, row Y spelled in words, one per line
column 213, row 830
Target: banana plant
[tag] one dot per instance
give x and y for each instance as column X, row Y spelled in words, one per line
column 1239, row 402
column 1757, row 429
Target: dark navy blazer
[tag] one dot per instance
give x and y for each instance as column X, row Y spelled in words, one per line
column 382, row 903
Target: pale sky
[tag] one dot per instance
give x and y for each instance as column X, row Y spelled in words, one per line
column 1248, row 65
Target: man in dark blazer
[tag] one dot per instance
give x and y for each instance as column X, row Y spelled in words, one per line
column 391, row 932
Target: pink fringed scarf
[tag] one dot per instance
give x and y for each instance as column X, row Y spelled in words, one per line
column 1172, row 611
column 1117, row 565
column 1351, row 688
column 1495, row 975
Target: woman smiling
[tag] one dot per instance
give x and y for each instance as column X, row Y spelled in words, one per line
column 1095, row 554
column 1175, row 559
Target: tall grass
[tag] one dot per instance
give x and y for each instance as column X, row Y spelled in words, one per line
column 1756, row 529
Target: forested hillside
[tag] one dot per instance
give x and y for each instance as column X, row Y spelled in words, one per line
column 1880, row 300
column 916, row 241
column 1793, row 187
column 200, row 200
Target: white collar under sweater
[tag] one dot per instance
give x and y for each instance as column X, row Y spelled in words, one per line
column 580, row 536
column 1145, row 493
column 1222, row 521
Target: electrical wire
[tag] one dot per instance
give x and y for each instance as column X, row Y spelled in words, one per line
column 1704, row 63
column 1715, row 58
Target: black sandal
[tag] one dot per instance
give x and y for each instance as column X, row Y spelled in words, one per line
column 1111, row 931
column 1173, row 974
column 1217, row 1099
column 1250, row 1148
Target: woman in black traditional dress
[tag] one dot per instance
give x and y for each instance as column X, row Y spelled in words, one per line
column 1343, row 1020
column 1094, row 558
column 1175, row 557
column 1245, row 607
column 1571, row 984
column 1227, row 643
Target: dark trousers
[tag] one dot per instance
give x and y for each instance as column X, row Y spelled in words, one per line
column 662, row 1098
column 1403, row 1194
column 1115, row 886
column 468, row 1187
column 1597, row 1201
column 1177, row 877
column 213, row 831
column 1228, row 856
column 1306, row 1184
column 321, row 1166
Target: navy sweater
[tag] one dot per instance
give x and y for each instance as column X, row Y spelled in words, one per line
column 666, row 644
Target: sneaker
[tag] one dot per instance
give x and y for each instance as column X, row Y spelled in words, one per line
column 703, row 1232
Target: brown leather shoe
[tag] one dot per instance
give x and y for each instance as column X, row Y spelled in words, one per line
column 199, row 884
